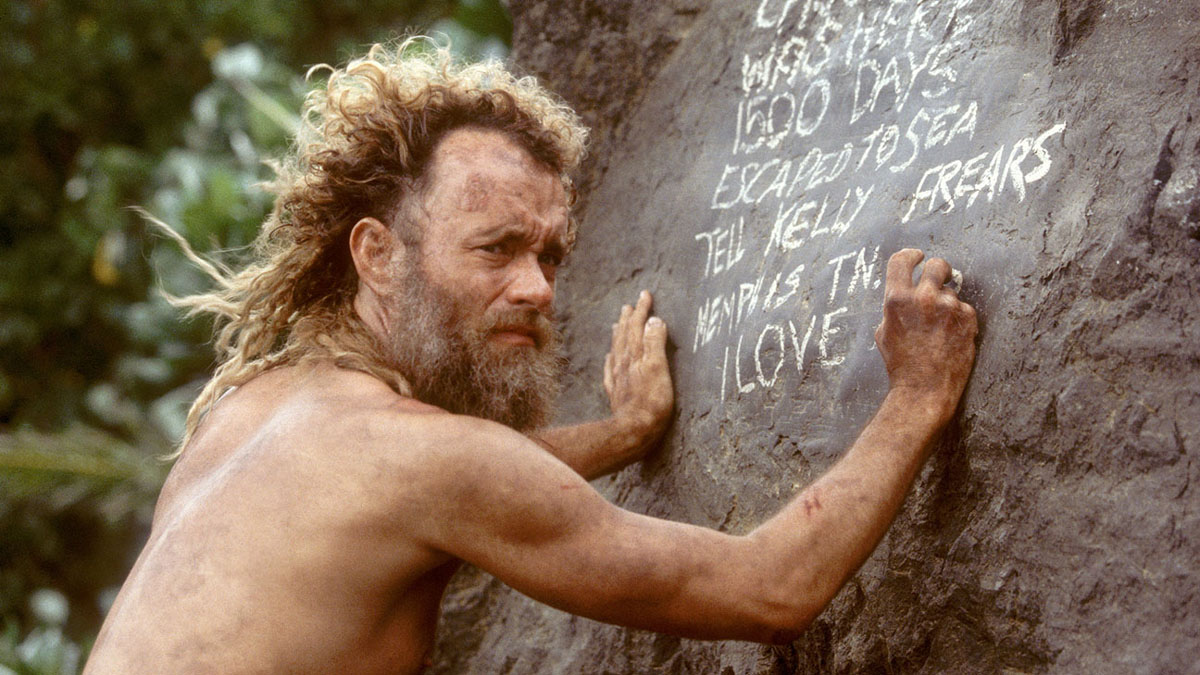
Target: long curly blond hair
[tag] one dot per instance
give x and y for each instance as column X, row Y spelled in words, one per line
column 366, row 138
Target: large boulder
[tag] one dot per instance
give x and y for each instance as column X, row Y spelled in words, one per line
column 754, row 164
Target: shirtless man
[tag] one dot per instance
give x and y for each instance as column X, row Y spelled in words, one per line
column 362, row 436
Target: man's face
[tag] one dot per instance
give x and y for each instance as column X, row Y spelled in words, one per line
column 472, row 315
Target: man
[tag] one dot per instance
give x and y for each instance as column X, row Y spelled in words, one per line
column 361, row 436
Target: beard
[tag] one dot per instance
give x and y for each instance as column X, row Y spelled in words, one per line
column 451, row 360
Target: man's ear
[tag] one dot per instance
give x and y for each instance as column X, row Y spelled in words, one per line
column 375, row 250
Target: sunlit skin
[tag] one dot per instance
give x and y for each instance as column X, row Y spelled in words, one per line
column 315, row 518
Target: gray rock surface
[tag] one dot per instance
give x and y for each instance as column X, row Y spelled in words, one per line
column 754, row 164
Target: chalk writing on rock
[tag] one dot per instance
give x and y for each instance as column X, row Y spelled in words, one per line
column 854, row 118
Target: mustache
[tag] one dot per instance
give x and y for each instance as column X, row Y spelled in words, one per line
column 541, row 327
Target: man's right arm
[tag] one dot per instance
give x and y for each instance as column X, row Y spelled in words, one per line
column 490, row 496
column 927, row 340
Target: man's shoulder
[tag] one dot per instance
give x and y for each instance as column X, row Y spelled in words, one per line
column 316, row 408
column 302, row 424
column 404, row 455
column 352, row 413
column 340, row 398
column 321, row 396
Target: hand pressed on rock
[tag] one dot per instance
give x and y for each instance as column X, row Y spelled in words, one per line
column 927, row 338
column 636, row 376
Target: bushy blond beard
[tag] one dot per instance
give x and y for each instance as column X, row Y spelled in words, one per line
column 451, row 362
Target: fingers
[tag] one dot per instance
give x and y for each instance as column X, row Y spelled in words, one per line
column 634, row 335
column 968, row 318
column 655, row 339
column 900, row 268
column 637, row 375
column 645, row 300
column 636, row 371
column 620, row 335
column 935, row 274
column 636, row 326
column 629, row 329
column 608, row 374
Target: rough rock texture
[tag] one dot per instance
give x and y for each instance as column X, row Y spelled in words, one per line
column 754, row 164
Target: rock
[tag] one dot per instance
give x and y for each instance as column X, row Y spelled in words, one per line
column 754, row 165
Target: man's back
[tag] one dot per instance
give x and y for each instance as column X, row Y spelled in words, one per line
column 276, row 544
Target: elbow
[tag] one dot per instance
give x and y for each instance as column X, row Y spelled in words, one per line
column 766, row 618
column 783, row 630
column 785, row 636
column 783, row 612
column 782, row 623
column 787, row 599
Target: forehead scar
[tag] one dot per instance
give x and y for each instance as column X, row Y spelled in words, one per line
column 474, row 195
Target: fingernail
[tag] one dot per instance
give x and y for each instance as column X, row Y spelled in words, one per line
column 654, row 321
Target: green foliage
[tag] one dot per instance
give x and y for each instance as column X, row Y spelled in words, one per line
column 97, row 99
column 171, row 105
column 45, row 650
column 69, row 496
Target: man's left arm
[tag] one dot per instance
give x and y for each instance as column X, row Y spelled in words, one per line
column 640, row 395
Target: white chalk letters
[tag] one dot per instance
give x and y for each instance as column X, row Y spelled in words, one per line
column 850, row 100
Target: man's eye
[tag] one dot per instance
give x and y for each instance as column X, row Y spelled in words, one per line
column 550, row 259
column 495, row 249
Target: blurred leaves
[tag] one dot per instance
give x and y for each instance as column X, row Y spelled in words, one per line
column 168, row 104
column 45, row 650
column 80, row 463
column 171, row 105
column 74, row 502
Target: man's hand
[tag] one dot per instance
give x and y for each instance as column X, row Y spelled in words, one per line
column 927, row 337
column 636, row 376
column 640, row 396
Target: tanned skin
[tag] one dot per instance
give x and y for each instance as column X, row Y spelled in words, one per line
column 314, row 520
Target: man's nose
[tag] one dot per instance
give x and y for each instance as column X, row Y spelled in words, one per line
column 529, row 285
